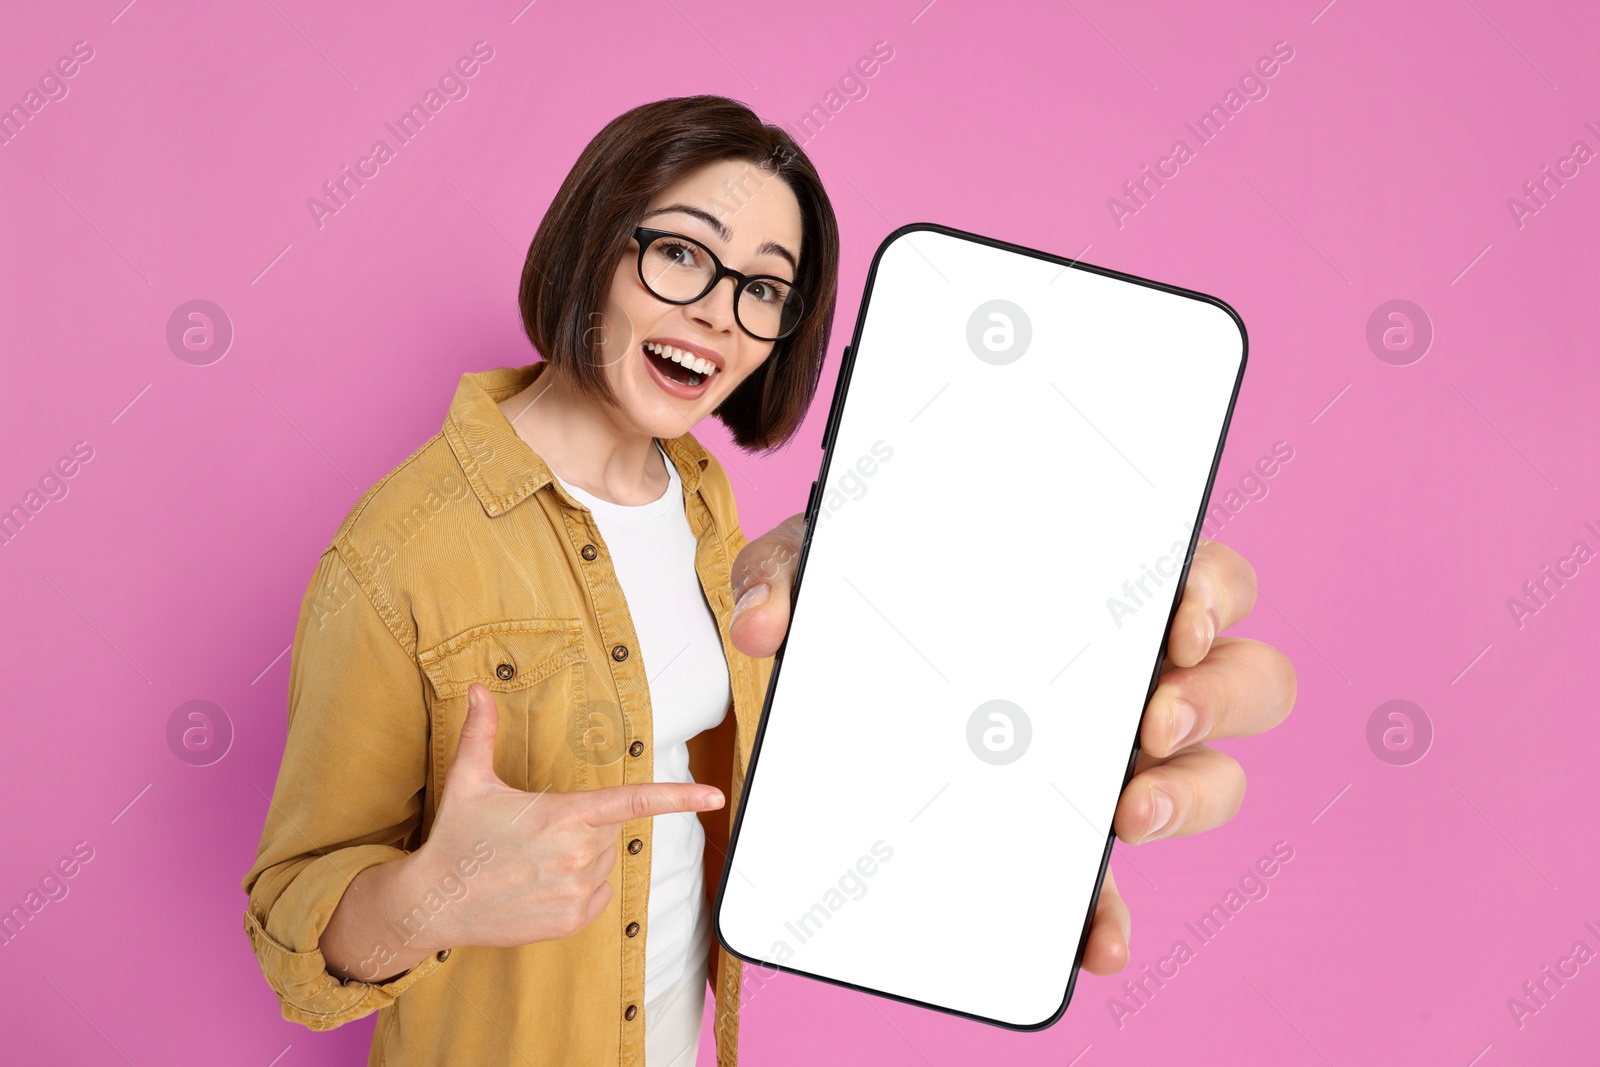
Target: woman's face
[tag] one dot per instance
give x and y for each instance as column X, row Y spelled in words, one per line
column 750, row 219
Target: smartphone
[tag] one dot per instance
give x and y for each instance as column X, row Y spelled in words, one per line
column 1014, row 471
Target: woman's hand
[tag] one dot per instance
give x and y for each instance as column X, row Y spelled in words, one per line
column 539, row 862
column 1210, row 687
column 553, row 852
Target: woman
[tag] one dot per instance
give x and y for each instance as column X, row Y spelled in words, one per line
column 489, row 824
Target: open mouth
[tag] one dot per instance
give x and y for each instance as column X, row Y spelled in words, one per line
column 676, row 365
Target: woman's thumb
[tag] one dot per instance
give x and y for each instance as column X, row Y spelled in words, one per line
column 475, row 754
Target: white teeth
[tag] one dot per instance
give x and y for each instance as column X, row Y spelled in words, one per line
column 678, row 355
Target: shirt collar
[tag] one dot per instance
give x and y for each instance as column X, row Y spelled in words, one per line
column 498, row 464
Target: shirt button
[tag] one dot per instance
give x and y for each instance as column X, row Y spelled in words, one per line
column 504, row 672
column 635, row 845
column 633, row 929
column 619, row 653
column 589, row 552
column 636, row 749
column 444, row 954
column 631, row 1012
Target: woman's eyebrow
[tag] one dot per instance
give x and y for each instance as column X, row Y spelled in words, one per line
column 778, row 250
column 722, row 231
column 704, row 216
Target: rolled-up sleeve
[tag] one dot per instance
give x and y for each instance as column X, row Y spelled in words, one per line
column 348, row 795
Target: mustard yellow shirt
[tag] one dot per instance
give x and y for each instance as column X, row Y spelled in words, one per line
column 470, row 563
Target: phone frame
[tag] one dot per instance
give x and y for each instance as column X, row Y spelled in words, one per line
column 841, row 389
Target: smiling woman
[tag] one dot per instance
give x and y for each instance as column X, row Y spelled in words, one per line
column 487, row 686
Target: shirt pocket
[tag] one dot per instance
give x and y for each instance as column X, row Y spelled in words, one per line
column 536, row 670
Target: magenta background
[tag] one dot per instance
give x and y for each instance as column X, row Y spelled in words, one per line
column 1413, row 508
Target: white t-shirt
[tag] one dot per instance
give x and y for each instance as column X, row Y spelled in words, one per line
column 653, row 550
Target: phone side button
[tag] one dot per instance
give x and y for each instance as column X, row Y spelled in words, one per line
column 811, row 502
column 833, row 410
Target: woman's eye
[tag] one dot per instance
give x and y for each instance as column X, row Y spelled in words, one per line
column 679, row 254
column 767, row 292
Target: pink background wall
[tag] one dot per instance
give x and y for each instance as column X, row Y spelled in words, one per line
column 1419, row 499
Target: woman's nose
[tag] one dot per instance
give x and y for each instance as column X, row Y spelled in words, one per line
column 715, row 309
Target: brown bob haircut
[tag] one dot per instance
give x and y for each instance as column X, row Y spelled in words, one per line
column 568, row 271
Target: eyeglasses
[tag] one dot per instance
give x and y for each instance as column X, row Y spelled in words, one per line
column 681, row 270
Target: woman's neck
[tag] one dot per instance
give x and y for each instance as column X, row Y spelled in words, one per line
column 582, row 442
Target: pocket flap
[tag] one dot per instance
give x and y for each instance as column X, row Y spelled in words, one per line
column 505, row 656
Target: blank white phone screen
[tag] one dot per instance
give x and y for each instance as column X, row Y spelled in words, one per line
column 1021, row 455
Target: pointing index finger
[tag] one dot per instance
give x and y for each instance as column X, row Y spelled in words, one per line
column 617, row 804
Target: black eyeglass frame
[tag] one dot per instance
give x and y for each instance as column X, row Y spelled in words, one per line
column 646, row 237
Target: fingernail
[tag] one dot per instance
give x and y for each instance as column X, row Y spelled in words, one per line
column 472, row 698
column 714, row 799
column 1161, row 808
column 1183, row 720
column 1211, row 627
column 756, row 594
